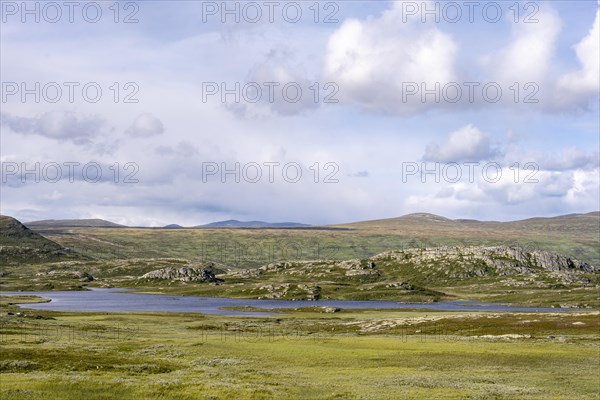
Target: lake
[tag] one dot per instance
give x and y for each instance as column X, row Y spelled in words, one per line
column 122, row 300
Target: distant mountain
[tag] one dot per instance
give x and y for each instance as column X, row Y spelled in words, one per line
column 233, row 223
column 172, row 226
column 421, row 223
column 73, row 223
column 409, row 220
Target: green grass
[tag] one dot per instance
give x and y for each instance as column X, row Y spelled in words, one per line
column 304, row 354
column 245, row 248
column 392, row 280
column 118, row 256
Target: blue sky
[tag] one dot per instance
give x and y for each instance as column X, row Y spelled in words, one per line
column 166, row 145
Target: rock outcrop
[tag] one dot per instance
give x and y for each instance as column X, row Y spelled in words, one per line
column 483, row 260
column 186, row 274
column 84, row 276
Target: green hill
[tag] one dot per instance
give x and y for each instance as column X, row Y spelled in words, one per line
column 21, row 245
column 73, row 223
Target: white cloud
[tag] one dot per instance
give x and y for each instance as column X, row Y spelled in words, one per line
column 569, row 159
column 146, row 125
column 291, row 94
column 527, row 58
column 507, row 198
column 371, row 59
column 584, row 193
column 585, row 81
column 465, row 144
column 59, row 125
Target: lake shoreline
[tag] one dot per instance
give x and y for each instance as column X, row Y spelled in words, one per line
column 124, row 300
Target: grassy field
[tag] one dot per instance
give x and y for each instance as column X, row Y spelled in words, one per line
column 389, row 279
column 576, row 236
column 307, row 353
column 304, row 354
column 117, row 257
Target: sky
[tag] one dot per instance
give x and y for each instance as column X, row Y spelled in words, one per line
column 150, row 113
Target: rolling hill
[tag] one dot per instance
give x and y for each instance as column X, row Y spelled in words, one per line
column 585, row 223
column 233, row 223
column 576, row 235
column 417, row 257
column 72, row 223
column 172, row 226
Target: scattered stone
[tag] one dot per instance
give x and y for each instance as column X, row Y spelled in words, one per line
column 313, row 292
column 355, row 272
column 506, row 336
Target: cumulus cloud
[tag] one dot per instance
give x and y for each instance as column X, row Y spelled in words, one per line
column 372, row 59
column 277, row 68
column 59, row 125
column 584, row 193
column 146, row 125
column 569, row 159
column 528, row 56
column 584, row 82
column 276, row 85
column 465, row 144
column 369, row 57
column 550, row 193
column 556, row 184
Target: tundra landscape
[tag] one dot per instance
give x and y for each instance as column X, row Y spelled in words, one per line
column 300, row 200
column 307, row 350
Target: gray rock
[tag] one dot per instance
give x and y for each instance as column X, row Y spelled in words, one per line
column 478, row 261
column 186, row 274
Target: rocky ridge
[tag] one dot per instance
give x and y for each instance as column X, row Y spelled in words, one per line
column 482, row 260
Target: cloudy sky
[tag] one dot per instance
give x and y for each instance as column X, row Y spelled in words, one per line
column 149, row 113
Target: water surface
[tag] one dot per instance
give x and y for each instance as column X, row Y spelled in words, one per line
column 121, row 300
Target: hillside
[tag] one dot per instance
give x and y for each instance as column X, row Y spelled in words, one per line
column 19, row 244
column 233, row 223
column 172, row 226
column 573, row 235
column 72, row 223
column 483, row 273
column 418, row 257
column 584, row 223
column 14, row 233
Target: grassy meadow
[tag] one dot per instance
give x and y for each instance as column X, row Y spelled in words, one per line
column 575, row 236
column 299, row 354
column 306, row 353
